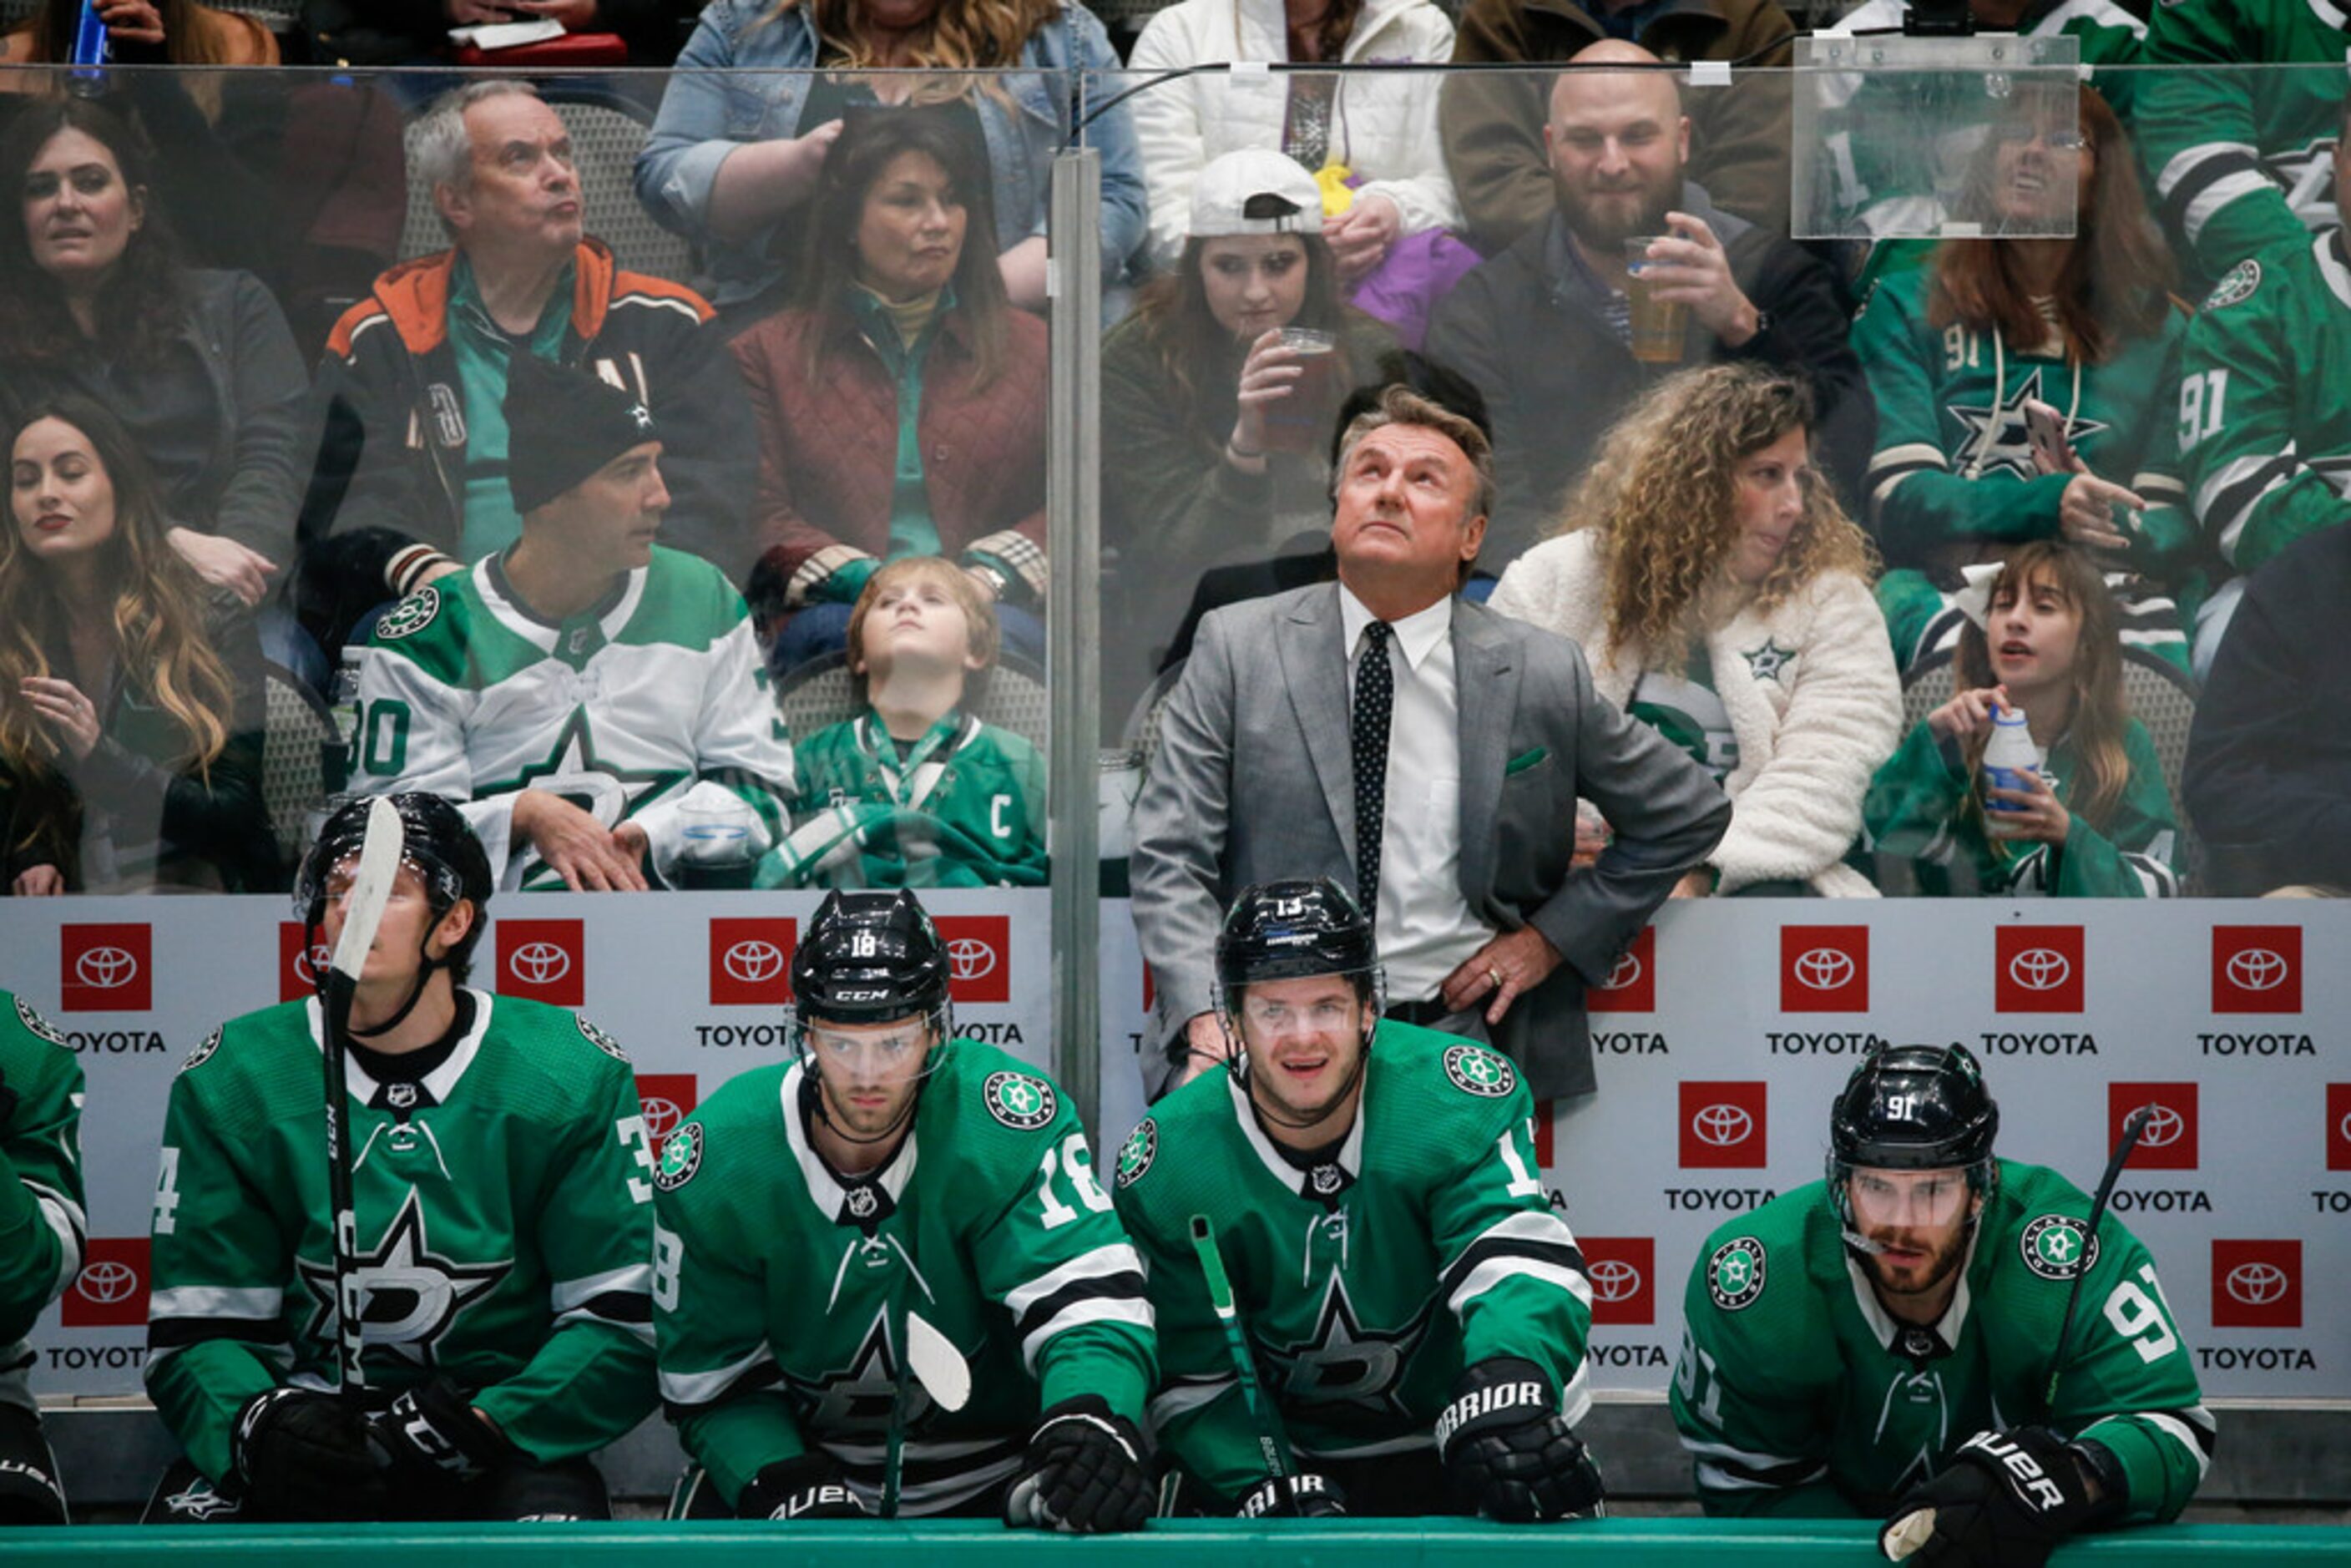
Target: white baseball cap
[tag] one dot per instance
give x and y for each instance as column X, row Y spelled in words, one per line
column 1256, row 191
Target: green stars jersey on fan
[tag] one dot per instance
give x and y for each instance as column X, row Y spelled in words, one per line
column 777, row 1288
column 964, row 807
column 504, row 1210
column 465, row 694
column 2264, row 428
column 1364, row 1284
column 1797, row 1394
column 43, row 1226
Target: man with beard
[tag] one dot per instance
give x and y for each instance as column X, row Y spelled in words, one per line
column 1544, row 328
column 1887, row 1341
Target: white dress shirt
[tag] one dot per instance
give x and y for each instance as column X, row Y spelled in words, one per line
column 1423, row 926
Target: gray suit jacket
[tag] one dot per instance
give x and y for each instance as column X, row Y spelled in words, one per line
column 1254, row 781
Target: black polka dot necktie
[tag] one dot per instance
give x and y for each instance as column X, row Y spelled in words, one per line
column 1374, row 702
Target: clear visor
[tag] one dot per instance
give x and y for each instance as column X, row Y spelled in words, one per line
column 1323, row 1005
column 1906, row 1199
column 879, row 1049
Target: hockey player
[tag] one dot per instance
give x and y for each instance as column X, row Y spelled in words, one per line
column 585, row 695
column 1885, row 1341
column 806, row 1212
column 42, row 1229
column 1395, row 1266
column 500, row 1173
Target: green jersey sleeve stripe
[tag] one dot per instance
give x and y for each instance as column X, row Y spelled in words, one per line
column 1533, row 1246
column 1183, row 1395
column 1131, row 1310
column 1717, row 1477
column 692, row 1390
column 259, row 1301
column 65, row 1217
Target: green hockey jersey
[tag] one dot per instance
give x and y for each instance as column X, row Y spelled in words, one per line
column 779, row 1289
column 1918, row 809
column 465, row 694
column 43, row 1225
column 1796, row 1394
column 965, row 808
column 2264, row 428
column 2240, row 158
column 1366, row 1284
column 504, row 1210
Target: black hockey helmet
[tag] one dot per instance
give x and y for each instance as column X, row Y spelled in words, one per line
column 869, row 957
column 1293, row 929
column 1914, row 1107
column 437, row 842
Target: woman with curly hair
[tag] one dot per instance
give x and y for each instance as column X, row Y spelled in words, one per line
column 131, row 701
column 1722, row 595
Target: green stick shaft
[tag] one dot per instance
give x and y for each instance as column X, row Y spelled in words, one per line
column 1220, row 1297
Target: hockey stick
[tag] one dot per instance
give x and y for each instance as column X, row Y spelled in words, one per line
column 363, row 908
column 1220, row 1297
column 930, row 1359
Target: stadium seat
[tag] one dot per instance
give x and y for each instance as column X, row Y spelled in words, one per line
column 1142, row 724
column 293, row 771
column 819, row 693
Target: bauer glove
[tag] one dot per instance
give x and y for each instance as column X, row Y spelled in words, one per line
column 809, row 1487
column 2005, row 1500
column 307, row 1455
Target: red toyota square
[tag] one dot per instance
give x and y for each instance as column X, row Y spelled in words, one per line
column 110, row 1292
column 106, row 968
column 301, row 963
column 2168, row 1142
column 979, row 956
column 2338, row 1126
column 1150, row 990
column 1632, row 986
column 1722, row 1126
column 2257, row 1284
column 2037, row 969
column 666, row 1099
column 543, row 960
column 751, row 962
column 1545, row 1131
column 2257, row 969
column 1825, row 969
column 1624, row 1274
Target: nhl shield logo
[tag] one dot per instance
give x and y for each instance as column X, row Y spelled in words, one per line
column 1135, row 1155
column 411, row 615
column 2242, row 279
column 1734, row 1275
column 27, row 1015
column 1020, row 1102
column 680, row 1158
column 602, row 1041
column 399, row 1096
column 201, row 1054
column 2052, row 1246
column 862, row 1202
column 1476, row 1071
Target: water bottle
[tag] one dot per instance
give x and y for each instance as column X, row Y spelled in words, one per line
column 2009, row 756
column 92, row 45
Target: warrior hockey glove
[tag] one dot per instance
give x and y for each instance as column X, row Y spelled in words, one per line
column 1084, row 1471
column 1507, row 1453
column 806, row 1488
column 436, row 1438
column 306, row 1454
column 2005, row 1500
column 1318, row 1497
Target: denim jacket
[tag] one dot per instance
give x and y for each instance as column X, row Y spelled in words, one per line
column 740, row 81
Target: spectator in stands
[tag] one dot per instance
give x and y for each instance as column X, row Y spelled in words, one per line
column 900, row 403
column 132, row 707
column 1723, row 596
column 1544, row 328
column 1421, row 752
column 589, row 699
column 198, row 365
column 1213, row 424
column 1372, row 135
column 916, row 791
column 1958, row 348
column 412, row 472
column 2096, row 822
column 1493, row 121
column 734, row 160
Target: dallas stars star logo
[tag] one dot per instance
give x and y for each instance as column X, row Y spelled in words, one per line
column 573, row 769
column 1996, row 440
column 1765, row 663
column 411, row 1295
column 1343, row 1363
column 854, row 1399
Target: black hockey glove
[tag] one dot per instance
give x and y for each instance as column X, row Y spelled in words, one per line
column 308, row 1454
column 1318, row 1497
column 436, row 1440
column 1508, row 1453
column 809, row 1487
column 1085, row 1471
column 2005, row 1500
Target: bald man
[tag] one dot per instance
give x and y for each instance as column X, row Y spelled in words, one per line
column 1543, row 327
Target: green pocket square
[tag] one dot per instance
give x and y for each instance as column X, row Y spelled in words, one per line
column 1521, row 764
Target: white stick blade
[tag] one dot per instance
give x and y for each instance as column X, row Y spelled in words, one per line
column 371, row 888
column 936, row 1364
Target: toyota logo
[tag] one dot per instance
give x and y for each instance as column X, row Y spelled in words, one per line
column 311, row 962
column 1626, row 972
column 2165, row 1127
column 1823, row 969
column 754, row 960
column 1722, row 1126
column 971, row 957
column 106, row 968
column 540, row 963
column 1613, row 1280
column 2256, row 1284
column 2256, row 970
column 661, row 1115
column 2039, row 969
column 106, row 1281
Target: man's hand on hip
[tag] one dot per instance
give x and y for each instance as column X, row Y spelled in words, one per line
column 1500, row 973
